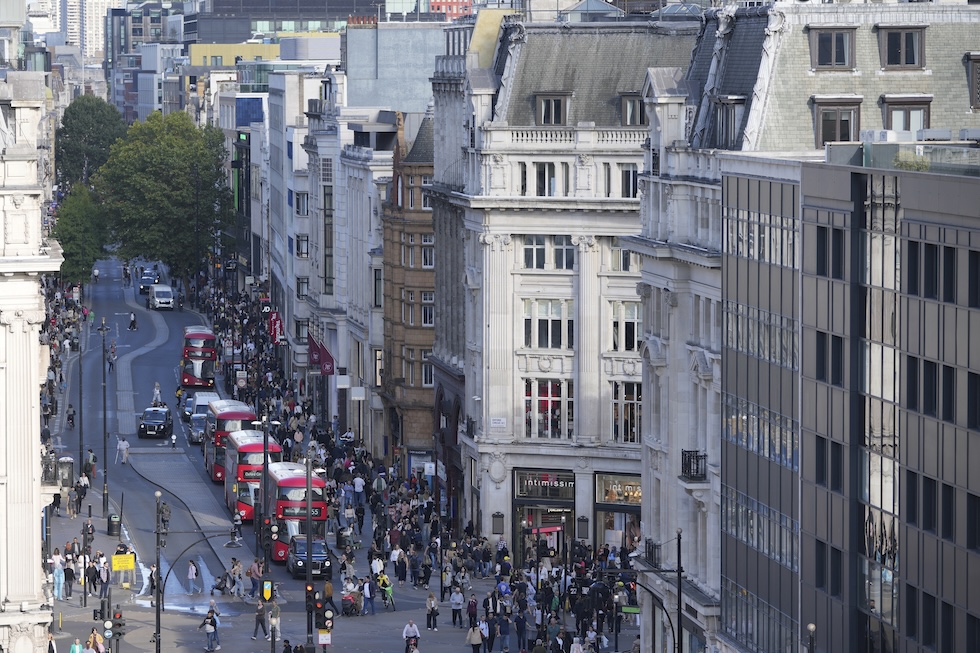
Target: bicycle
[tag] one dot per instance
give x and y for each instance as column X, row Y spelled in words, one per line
column 388, row 597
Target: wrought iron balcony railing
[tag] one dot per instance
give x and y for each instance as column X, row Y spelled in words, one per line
column 694, row 465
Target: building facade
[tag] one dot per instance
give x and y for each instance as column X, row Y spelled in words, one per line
column 538, row 374
column 408, row 292
column 708, row 217
column 25, row 253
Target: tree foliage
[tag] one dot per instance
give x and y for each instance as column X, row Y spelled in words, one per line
column 81, row 230
column 164, row 192
column 90, row 126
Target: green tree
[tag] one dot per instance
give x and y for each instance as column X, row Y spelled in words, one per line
column 165, row 193
column 90, row 126
column 81, row 231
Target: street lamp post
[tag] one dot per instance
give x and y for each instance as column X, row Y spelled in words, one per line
column 812, row 638
column 264, row 424
column 156, row 580
column 81, row 409
column 564, row 569
column 105, row 427
column 617, row 598
column 273, row 627
column 680, row 602
column 309, row 540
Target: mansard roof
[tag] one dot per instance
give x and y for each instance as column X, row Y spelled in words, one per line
column 422, row 149
column 594, row 64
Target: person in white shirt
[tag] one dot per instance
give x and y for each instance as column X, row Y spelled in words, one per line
column 411, row 630
column 359, row 490
column 122, row 451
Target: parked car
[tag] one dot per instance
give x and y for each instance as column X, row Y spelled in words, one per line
column 296, row 558
column 156, row 422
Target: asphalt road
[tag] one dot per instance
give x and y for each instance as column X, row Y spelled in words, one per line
column 146, row 356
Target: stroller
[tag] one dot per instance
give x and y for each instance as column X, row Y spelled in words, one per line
column 222, row 584
column 348, row 605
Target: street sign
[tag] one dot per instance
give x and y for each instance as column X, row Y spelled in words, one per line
column 124, row 562
column 241, row 378
column 630, row 609
column 324, row 638
column 266, row 590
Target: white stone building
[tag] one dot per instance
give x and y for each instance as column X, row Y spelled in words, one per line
column 538, row 369
column 25, row 253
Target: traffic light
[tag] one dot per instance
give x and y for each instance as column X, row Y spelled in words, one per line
column 328, row 620
column 310, row 597
column 321, row 620
column 118, row 623
column 267, row 533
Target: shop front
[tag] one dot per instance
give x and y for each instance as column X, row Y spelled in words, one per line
column 544, row 514
column 617, row 511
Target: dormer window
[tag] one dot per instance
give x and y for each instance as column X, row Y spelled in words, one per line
column 633, row 112
column 552, row 109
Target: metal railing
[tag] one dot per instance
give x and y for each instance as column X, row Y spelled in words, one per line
column 694, row 465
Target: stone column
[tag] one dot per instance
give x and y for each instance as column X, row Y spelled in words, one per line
column 498, row 338
column 590, row 397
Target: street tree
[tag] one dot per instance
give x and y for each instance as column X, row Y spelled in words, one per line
column 81, row 230
column 165, row 193
column 89, row 127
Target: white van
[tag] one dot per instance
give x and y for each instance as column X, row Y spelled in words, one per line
column 161, row 296
column 201, row 401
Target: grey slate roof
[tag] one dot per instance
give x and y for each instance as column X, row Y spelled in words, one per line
column 595, row 62
column 422, row 149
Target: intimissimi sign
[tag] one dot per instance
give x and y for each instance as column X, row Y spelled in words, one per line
column 534, row 484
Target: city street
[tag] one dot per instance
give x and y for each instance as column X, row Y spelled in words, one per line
column 147, row 356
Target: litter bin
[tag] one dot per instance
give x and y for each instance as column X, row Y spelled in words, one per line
column 114, row 526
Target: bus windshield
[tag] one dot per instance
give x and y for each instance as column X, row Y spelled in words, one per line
column 299, row 494
column 255, row 458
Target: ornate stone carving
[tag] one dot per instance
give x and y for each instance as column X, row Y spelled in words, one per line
column 497, row 467
column 644, row 290
column 700, row 367
column 584, row 243
column 584, row 160
column 495, row 241
column 726, row 21
column 497, row 159
column 669, row 300
column 777, row 22
column 583, row 462
column 18, row 200
column 26, row 319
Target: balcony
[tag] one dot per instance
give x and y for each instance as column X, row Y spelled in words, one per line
column 652, row 554
column 694, row 466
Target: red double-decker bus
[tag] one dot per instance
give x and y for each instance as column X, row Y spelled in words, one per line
column 224, row 416
column 243, row 469
column 286, row 505
column 198, row 357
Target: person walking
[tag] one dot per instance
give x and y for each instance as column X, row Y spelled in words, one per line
column 58, row 572
column 193, row 573
column 210, row 626
column 105, row 575
column 474, row 638
column 132, row 321
column 328, row 596
column 275, row 613
column 122, row 450
column 368, row 590
column 254, row 573
column 76, row 646
column 260, row 620
column 431, row 613
column 213, row 608
column 456, row 602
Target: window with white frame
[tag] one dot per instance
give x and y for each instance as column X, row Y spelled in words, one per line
column 426, row 180
column 564, row 253
column 428, row 251
column 622, row 259
column 634, row 113
column 428, row 308
column 552, row 109
column 411, row 197
column 534, row 252
column 428, row 374
column 630, row 176
column 326, row 170
column 626, row 326
column 410, row 299
column 302, row 287
column 408, row 365
column 404, row 303
column 408, row 250
column 549, row 323
column 627, row 401
column 426, row 200
column 549, row 408
column 302, row 246
column 547, row 182
column 302, row 204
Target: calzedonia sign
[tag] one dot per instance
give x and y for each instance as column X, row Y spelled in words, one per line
column 536, row 484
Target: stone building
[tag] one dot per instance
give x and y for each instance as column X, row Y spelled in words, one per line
column 25, row 253
column 538, row 374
